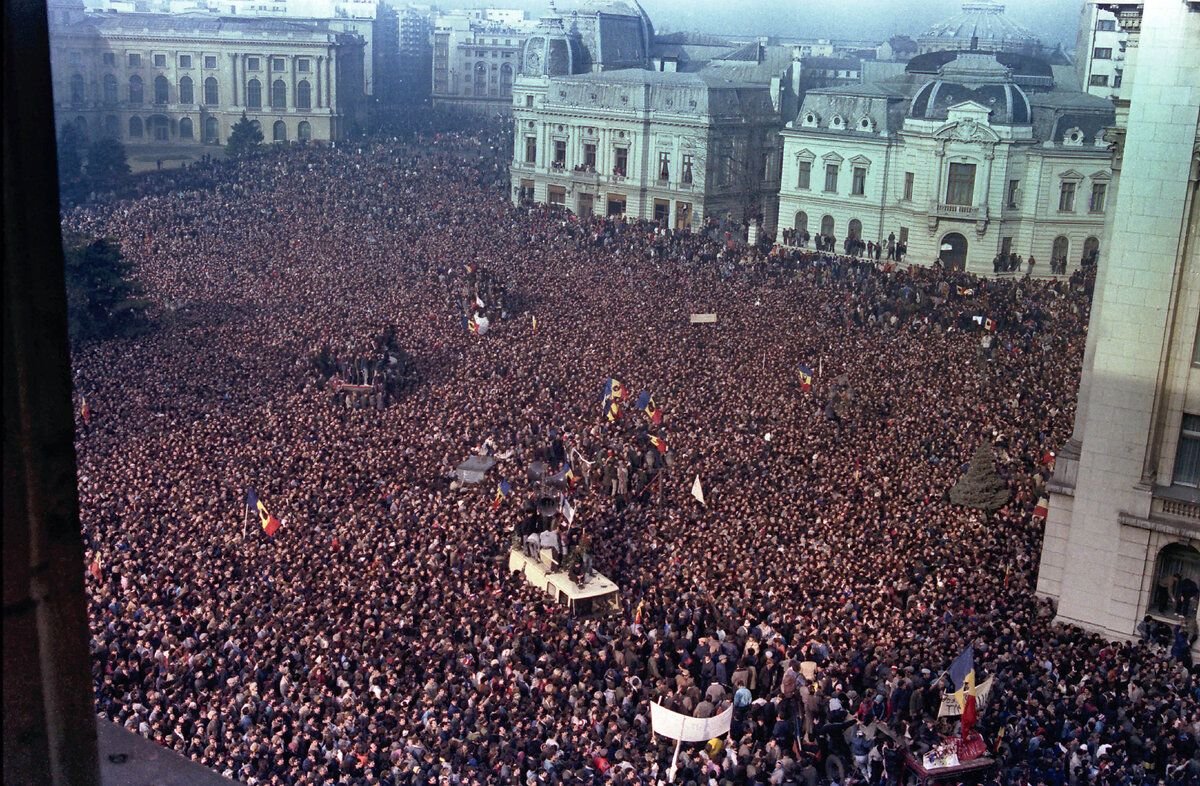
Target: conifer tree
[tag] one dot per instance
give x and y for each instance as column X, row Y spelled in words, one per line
column 981, row 488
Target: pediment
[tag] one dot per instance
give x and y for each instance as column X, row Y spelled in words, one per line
column 832, row 158
column 804, row 154
column 860, row 161
column 967, row 130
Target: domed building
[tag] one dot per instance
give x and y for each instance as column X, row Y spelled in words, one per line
column 600, row 35
column 969, row 157
column 981, row 25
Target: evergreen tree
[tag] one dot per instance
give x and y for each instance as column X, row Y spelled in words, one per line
column 244, row 137
column 102, row 300
column 107, row 165
column 981, row 488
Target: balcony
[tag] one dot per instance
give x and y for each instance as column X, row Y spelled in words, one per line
column 960, row 212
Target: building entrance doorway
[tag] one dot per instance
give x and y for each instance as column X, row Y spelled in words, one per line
column 586, row 204
column 616, row 204
column 953, row 252
column 683, row 215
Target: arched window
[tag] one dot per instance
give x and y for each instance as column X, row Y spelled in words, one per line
column 1177, row 565
column 506, row 74
column 304, row 131
column 211, row 130
column 185, row 90
column 161, row 90
column 826, row 225
column 185, row 128
column 135, row 90
column 801, row 224
column 1091, row 251
column 855, row 229
column 304, row 95
column 1060, row 247
column 279, row 132
column 77, row 90
column 135, row 127
column 112, row 126
column 278, row 94
column 210, row 91
column 254, row 94
column 481, row 79
column 110, row 89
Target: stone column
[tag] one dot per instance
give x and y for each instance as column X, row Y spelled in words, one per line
column 233, row 78
column 318, row 101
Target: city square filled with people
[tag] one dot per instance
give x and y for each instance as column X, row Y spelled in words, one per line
column 822, row 588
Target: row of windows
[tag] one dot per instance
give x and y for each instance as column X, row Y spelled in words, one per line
column 858, row 180
column 186, row 92
column 828, row 227
column 159, row 128
column 134, row 60
column 1066, row 197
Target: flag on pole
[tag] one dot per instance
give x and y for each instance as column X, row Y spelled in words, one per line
column 610, row 399
column 806, row 377
column 1042, row 509
column 535, row 324
column 659, row 443
column 269, row 523
column 567, row 511
column 962, row 674
column 503, row 492
column 94, row 568
column 965, row 291
column 698, row 491
column 85, row 412
column 990, row 324
column 479, row 302
column 645, row 403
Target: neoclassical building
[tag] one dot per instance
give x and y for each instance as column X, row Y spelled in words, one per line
column 1123, row 529
column 968, row 155
column 186, row 78
column 607, row 121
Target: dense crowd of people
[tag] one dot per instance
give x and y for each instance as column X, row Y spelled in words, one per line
column 378, row 638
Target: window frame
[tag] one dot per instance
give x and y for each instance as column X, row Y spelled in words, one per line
column 1189, row 434
column 1067, row 191
column 832, row 172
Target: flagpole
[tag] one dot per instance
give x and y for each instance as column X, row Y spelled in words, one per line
column 674, row 762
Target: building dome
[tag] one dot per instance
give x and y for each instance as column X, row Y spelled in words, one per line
column 551, row 51
column 978, row 77
column 981, row 25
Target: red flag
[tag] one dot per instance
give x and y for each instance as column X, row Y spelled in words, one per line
column 94, row 569
column 1042, row 509
column 85, row 412
column 969, row 714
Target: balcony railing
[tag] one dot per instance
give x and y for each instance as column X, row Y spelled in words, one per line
column 962, row 212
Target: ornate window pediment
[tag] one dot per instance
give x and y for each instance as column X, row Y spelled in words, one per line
column 1070, row 174
column 805, row 155
column 860, row 161
column 832, row 158
column 1101, row 175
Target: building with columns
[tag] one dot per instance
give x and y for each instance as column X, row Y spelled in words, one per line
column 1123, row 531
column 476, row 55
column 187, row 78
column 967, row 156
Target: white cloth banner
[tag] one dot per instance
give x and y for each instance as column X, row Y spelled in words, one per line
column 682, row 727
column 698, row 491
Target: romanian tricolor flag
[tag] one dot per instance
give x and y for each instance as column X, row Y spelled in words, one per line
column 269, row 523
column 659, row 443
column 962, row 674
column 473, row 325
column 503, row 492
column 965, row 291
column 610, row 400
column 645, row 403
column 806, row 377
column 990, row 324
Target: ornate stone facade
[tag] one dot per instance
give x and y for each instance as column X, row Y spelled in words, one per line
column 980, row 156
column 185, row 79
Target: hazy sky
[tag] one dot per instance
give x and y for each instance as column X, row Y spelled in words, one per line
column 1053, row 20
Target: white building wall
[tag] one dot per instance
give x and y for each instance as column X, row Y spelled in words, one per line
column 1139, row 339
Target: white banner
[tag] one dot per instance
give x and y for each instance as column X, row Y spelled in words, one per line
column 685, row 728
column 950, row 708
